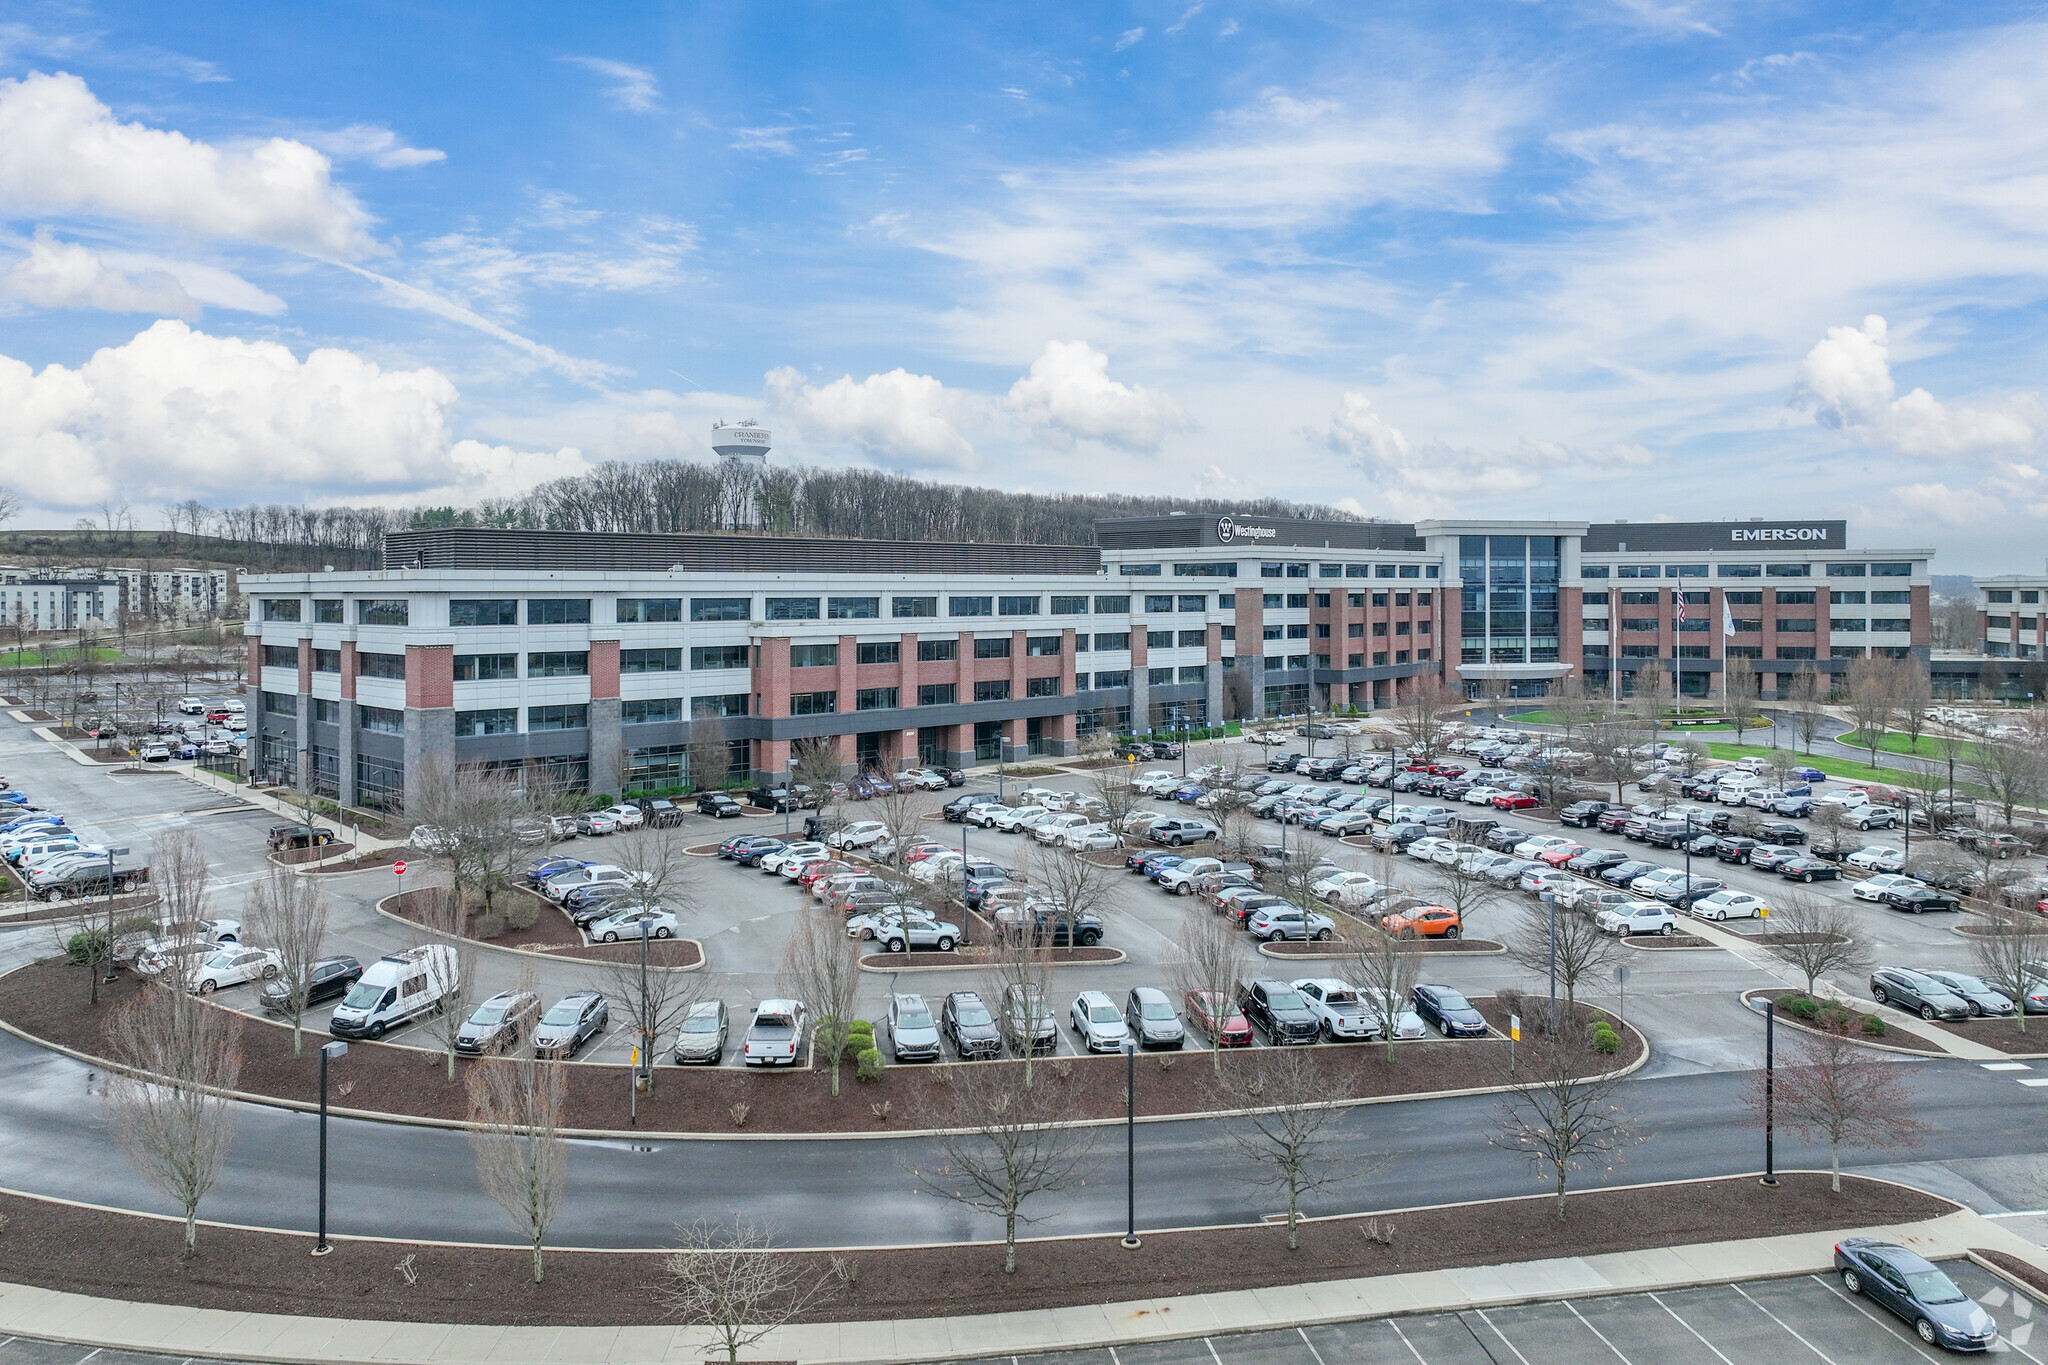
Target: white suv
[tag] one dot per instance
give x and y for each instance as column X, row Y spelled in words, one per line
column 1099, row 1022
column 1179, row 880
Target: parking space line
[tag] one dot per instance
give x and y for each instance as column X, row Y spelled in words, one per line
column 1495, row 1329
column 1310, row 1344
column 1397, row 1332
column 1787, row 1326
column 1690, row 1328
column 1219, row 1359
column 1598, row 1333
column 1889, row 1326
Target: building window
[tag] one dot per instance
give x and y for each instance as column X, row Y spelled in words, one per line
column 1226, row 601
column 647, row 610
column 913, row 606
column 997, row 648
column 1691, row 625
column 380, row 666
column 853, row 608
column 1297, row 570
column 495, row 611
column 1847, row 624
column 658, row 768
column 1636, row 571
column 558, row 663
column 970, row 606
column 1275, row 632
column 1042, row 646
column 1113, row 639
column 326, row 712
column 384, row 612
column 1042, row 687
column 814, row 656
column 1273, row 601
column 1788, row 570
column 813, row 703
column 1846, row 652
column 1594, row 599
column 1297, row 661
column 1356, row 630
column 1738, row 571
column 380, row 783
column 730, row 704
column 1158, row 677
column 280, row 656
column 1846, row 599
column 718, row 656
column 558, row 611
column 1596, row 651
column 1189, row 673
column 1745, row 625
column 1120, row 677
column 1998, row 622
column 1379, row 628
column 992, row 689
column 1199, row 639
column 1685, row 571
column 937, row 694
column 1743, row 599
column 558, row 717
column 1895, row 598
column 1069, row 606
column 1639, row 651
column 1298, row 631
column 381, row 720
column 792, row 609
column 1795, row 651
column 651, row 711
column 1215, row 570
column 1891, row 623
column 1112, row 604
column 1017, row 606
column 1401, row 627
column 1592, row 571
column 1795, row 599
column 498, row 720
column 720, row 608
column 1272, row 568
column 1891, row 571
column 1796, row 625
column 1379, row 658
column 1162, row 602
column 1640, row 599
column 1329, row 571
column 281, row 608
column 651, row 660
column 326, row 610
column 937, row 651
column 327, row 661
column 875, row 699
column 486, row 667
column 281, row 703
column 1159, row 639
column 1743, row 652
column 1298, row 601
column 1358, row 571
column 1846, row 570
column 1323, row 599
column 879, row 653
column 1138, row 570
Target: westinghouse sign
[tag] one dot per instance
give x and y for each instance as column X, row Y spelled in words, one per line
column 1812, row 535
column 1229, row 529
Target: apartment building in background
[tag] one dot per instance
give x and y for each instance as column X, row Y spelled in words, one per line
column 176, row 595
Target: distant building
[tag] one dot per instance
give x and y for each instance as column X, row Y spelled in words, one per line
column 47, row 603
column 176, row 594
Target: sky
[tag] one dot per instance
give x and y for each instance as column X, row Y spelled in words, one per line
column 1588, row 259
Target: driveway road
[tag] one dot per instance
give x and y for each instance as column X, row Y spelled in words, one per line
column 411, row 1182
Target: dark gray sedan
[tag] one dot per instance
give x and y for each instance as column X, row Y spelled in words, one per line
column 1917, row 1290
column 1916, row 993
column 1978, row 994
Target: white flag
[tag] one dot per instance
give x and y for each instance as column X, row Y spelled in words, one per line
column 1727, row 620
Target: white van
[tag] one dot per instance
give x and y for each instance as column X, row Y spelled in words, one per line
column 397, row 989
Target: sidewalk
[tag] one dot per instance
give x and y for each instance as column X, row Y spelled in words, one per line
column 363, row 843
column 171, row 1330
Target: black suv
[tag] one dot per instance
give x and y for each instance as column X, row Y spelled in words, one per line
column 970, row 1026
column 1066, row 931
column 299, row 836
column 956, row 809
column 1451, row 1012
column 1582, row 813
column 1277, row 1009
column 719, row 804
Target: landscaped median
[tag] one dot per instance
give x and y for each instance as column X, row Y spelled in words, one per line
column 135, row 1257
column 47, row 1003
column 1338, row 949
column 550, row 933
column 1842, row 1019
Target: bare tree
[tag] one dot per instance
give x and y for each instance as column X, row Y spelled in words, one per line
column 1582, row 947
column 171, row 1111
column 1612, row 740
column 1385, row 970
column 1815, row 937
column 820, row 968
column 1872, row 685
column 1211, row 958
column 729, row 1280
column 1287, row 1131
column 1016, row 964
column 1006, row 1142
column 1462, row 888
column 1420, row 720
column 2009, row 948
column 1119, row 798
column 1240, row 698
column 287, row 914
column 11, row 504
column 901, row 809
column 1912, row 697
column 477, row 821
column 654, row 858
column 1809, row 707
column 96, row 936
column 1071, row 885
column 817, row 767
column 710, row 760
column 1832, row 1090
column 522, row 1159
column 181, row 877
column 1650, row 695
column 650, row 1000
column 1237, row 829
column 1559, row 1116
column 1739, row 694
column 440, row 917
column 2016, row 771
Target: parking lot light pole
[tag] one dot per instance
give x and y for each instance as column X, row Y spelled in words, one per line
column 1550, row 904
column 1770, row 1013
column 328, row 1052
column 1131, row 1242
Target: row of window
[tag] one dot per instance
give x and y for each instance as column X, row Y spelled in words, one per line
column 1379, row 658
column 928, row 694
column 1890, row 570
column 2005, row 594
column 1280, row 569
column 468, row 612
column 1751, row 626
column 1783, row 597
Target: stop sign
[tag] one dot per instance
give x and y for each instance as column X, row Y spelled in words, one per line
column 398, row 868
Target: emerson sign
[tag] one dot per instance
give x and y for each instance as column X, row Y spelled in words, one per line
column 1810, row 535
column 1229, row 529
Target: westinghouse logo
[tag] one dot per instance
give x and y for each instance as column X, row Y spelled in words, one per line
column 1742, row 533
column 1229, row 529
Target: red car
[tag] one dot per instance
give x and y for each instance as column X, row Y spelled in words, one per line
column 1515, row 801
column 920, row 851
column 818, row 871
column 1216, row 1015
column 1448, row 769
column 1558, row 857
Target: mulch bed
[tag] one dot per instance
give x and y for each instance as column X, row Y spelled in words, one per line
column 298, row 857
column 43, row 717
column 1104, row 857
column 554, row 934
column 127, row 1257
column 2031, row 1276
column 1770, row 937
column 49, row 1001
column 1666, row 941
column 969, row 958
column 2003, row 1034
column 1297, row 948
column 1891, row 1037
column 383, row 857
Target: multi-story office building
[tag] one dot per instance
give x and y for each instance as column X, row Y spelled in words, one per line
column 30, row 600
column 2012, row 621
column 598, row 655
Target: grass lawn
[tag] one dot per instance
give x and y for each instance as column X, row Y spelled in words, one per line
column 36, row 658
column 1846, row 769
column 1970, row 751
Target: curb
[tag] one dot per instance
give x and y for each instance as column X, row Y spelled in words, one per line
column 1495, row 951
column 532, row 954
column 1631, row 941
column 1860, row 1042
column 886, row 958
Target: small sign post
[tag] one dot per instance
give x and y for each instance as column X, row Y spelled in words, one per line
column 1514, row 1036
column 398, row 869
column 1621, row 980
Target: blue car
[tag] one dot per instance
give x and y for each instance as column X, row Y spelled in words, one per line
column 1190, row 794
column 1152, row 867
column 187, row 750
column 20, row 821
column 13, row 799
column 540, row 869
column 1917, row 1290
column 1809, row 774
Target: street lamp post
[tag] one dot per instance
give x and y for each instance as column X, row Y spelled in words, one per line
column 1550, row 904
column 1770, row 1013
column 1131, row 1242
column 328, row 1052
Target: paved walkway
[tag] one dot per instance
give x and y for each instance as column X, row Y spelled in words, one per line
column 216, row 1335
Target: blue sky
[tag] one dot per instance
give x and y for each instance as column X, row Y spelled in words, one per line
column 1597, row 258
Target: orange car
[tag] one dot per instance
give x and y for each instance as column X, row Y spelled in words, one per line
column 1424, row 921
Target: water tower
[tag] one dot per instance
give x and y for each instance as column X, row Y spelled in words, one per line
column 744, row 444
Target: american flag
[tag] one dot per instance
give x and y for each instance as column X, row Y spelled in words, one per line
column 1679, row 597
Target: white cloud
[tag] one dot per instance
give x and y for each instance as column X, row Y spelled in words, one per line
column 177, row 413
column 774, row 139
column 632, row 88
column 1070, row 395
column 1772, row 65
column 1847, row 380
column 1951, row 506
column 403, row 295
column 379, row 146
column 54, row 274
column 903, row 418
column 1130, row 37
column 62, row 151
column 495, row 271
column 1190, row 12
column 1230, row 29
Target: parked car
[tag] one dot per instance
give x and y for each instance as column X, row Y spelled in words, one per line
column 1449, row 1011
column 326, row 978
column 499, row 1023
column 395, row 990
column 917, row 935
column 1917, row 994
column 1027, row 1020
column 719, row 805
column 1098, row 1022
column 1148, row 1014
column 1336, row 1004
column 1424, row 921
column 913, row 1033
column 569, row 1023
column 1728, row 903
column 1279, row 1011
column 1877, row 858
column 1978, row 994
column 1175, row 831
column 1918, row 900
column 1917, row 1291
column 1216, row 1015
column 232, row 966
column 1873, row 888
column 775, row 1038
column 701, row 1038
column 1289, row 922
column 1636, row 917
column 970, row 1026
column 630, row 922
column 1808, row 870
